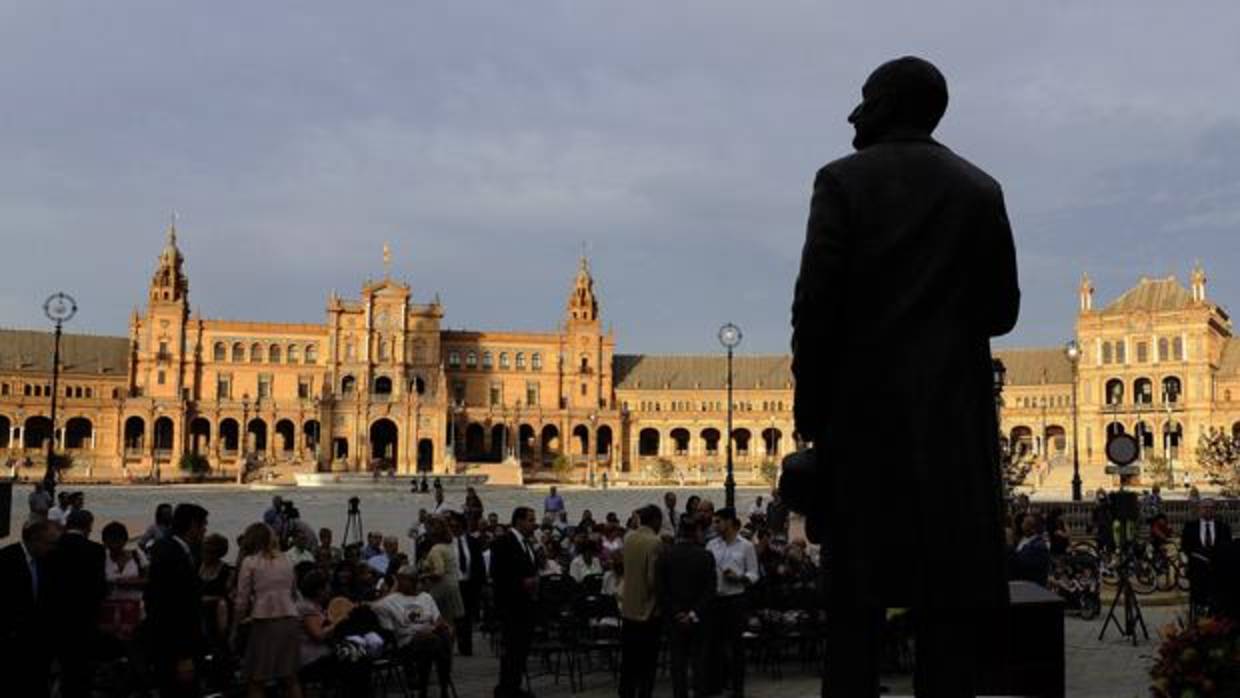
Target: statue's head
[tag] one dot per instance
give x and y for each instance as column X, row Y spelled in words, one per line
column 907, row 95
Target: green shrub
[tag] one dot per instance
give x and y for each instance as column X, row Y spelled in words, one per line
column 195, row 463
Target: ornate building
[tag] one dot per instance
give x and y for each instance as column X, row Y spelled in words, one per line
column 381, row 384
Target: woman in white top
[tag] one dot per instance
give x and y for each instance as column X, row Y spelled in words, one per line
column 586, row 563
column 125, row 570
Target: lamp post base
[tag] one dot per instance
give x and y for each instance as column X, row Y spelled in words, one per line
column 729, row 491
column 1076, row 486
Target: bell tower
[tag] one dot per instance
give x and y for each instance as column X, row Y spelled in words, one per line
column 163, row 350
column 584, row 363
column 1087, row 294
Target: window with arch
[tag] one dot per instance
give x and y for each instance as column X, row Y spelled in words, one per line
column 292, row 355
column 536, row 361
column 1177, row 349
column 256, row 353
column 383, row 350
column 1115, row 392
column 585, row 363
column 520, row 361
column 1143, row 352
column 419, row 385
column 1171, row 389
column 503, row 359
column 1106, row 353
column 312, row 353
column 238, row 352
column 1162, row 349
column 1143, row 391
column 348, row 384
column 350, row 351
column 220, row 352
column 454, row 359
column 1121, row 349
column 273, row 353
column 486, row 359
column 471, row 360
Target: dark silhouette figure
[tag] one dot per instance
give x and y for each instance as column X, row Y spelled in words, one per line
column 514, row 574
column 908, row 270
column 27, row 634
column 1201, row 541
column 174, row 603
column 79, row 586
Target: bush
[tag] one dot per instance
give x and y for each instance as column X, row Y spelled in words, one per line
column 1219, row 453
column 562, row 467
column 62, row 461
column 195, row 463
column 769, row 470
column 1200, row 660
column 1157, row 471
column 665, row 469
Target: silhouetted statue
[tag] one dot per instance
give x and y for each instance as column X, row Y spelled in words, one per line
column 908, row 270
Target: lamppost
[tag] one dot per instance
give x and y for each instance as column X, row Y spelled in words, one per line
column 59, row 308
column 1169, row 396
column 1073, row 352
column 243, row 462
column 516, row 425
column 590, row 451
column 729, row 337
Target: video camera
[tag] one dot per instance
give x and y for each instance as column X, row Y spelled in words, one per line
column 354, row 505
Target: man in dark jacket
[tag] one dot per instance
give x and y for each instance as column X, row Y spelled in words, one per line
column 174, row 602
column 26, row 629
column 686, row 584
column 473, row 572
column 79, row 586
column 1201, row 540
column 514, row 575
column 908, row 270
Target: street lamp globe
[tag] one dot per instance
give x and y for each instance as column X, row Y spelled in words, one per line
column 729, row 335
column 1072, row 350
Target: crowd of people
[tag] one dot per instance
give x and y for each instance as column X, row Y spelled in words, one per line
column 182, row 610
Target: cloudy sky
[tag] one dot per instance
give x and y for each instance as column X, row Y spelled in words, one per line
column 487, row 141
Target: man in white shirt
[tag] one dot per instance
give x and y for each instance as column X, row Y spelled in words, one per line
column 60, row 512
column 441, row 507
column 413, row 620
column 736, row 568
column 671, row 517
column 380, row 563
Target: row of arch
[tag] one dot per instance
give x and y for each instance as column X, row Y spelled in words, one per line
column 1143, row 391
column 273, row 353
column 382, row 385
column 34, row 432
column 649, row 441
column 478, row 443
column 471, row 360
column 227, row 433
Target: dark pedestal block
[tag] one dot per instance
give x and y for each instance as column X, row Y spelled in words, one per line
column 1030, row 662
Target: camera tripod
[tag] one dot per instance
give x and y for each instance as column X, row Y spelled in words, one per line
column 353, row 523
column 1132, row 608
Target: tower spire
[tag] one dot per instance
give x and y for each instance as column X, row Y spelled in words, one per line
column 387, row 261
column 582, row 301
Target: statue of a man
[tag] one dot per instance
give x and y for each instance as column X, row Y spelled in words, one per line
column 907, row 272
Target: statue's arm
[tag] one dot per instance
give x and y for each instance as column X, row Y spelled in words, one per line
column 818, row 301
column 1002, row 292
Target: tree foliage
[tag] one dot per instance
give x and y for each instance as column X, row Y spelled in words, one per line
column 665, row 469
column 194, row 463
column 562, row 467
column 1219, row 454
column 769, row 470
column 1156, row 471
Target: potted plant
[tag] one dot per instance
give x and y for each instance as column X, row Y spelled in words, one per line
column 1202, row 659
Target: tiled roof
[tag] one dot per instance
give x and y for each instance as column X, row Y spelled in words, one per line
column 1229, row 363
column 31, row 350
column 1152, row 295
column 655, row 372
column 1027, row 366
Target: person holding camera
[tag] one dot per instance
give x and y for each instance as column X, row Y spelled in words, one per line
column 908, row 270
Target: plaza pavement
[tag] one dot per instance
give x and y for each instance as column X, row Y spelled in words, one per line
column 1112, row 668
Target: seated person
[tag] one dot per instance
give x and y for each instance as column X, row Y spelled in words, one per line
column 586, row 563
column 421, row 634
column 1160, row 531
column 1031, row 560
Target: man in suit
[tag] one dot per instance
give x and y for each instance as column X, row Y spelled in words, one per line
column 473, row 574
column 686, row 584
column 26, row 628
column 174, row 603
column 908, row 270
column 639, row 607
column 1201, row 541
column 79, row 585
column 514, row 575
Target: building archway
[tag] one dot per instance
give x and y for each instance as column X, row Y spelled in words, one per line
column 710, row 441
column 475, row 435
column 6, row 431
column 680, row 441
column 164, row 429
column 36, row 432
column 256, row 436
column 581, row 440
column 1056, row 441
column 1114, row 392
column 78, row 433
column 1171, row 389
column 230, row 435
column 426, row 456
column 310, row 434
column 1021, row 441
column 199, row 435
column 499, row 442
column 1173, row 436
column 286, row 437
column 1143, row 391
column 525, row 443
column 740, row 441
column 550, row 442
column 602, row 441
column 384, row 444
column 348, row 384
column 340, row 448
column 771, row 438
column 1115, row 429
column 648, row 442
column 135, row 433
column 1145, row 437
